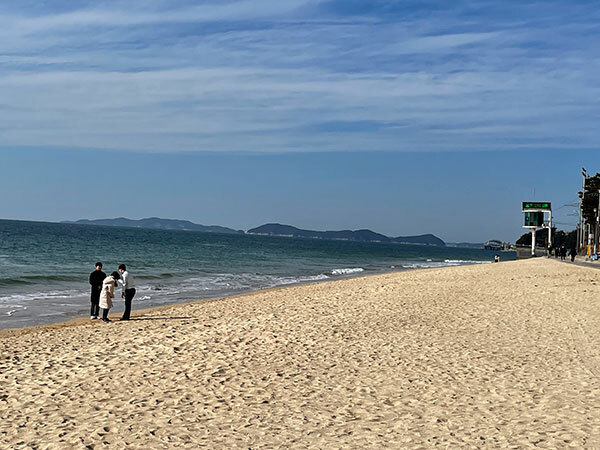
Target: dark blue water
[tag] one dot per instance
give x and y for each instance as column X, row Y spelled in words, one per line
column 44, row 267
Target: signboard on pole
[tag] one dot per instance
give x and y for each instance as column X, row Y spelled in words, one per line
column 533, row 215
column 534, row 219
column 537, row 206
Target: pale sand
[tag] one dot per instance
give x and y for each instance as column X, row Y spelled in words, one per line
column 497, row 355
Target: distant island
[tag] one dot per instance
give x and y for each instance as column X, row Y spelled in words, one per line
column 270, row 229
column 276, row 229
column 157, row 224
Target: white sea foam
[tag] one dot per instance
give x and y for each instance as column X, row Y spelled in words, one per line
column 242, row 281
column 429, row 264
column 424, row 265
column 292, row 280
column 15, row 309
column 462, row 261
column 347, row 271
column 52, row 295
column 216, row 285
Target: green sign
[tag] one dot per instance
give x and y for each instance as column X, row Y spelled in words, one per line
column 537, row 205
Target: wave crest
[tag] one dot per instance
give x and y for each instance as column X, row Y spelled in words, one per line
column 347, row 270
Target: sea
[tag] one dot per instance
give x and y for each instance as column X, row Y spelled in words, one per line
column 44, row 267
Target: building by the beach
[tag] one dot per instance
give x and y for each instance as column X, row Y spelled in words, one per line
column 495, row 244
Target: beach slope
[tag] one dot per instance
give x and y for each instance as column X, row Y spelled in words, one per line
column 490, row 355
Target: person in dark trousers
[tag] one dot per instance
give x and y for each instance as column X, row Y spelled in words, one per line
column 128, row 290
column 573, row 253
column 96, row 279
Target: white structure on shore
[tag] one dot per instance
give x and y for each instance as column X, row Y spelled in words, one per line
column 497, row 244
column 493, row 244
column 533, row 213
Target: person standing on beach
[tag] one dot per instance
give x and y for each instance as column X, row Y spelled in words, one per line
column 96, row 279
column 573, row 253
column 128, row 290
column 107, row 294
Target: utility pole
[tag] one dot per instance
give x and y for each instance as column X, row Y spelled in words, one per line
column 582, row 224
column 549, row 231
column 593, row 231
column 579, row 226
column 597, row 231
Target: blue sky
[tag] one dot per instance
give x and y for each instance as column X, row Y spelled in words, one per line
column 308, row 86
column 458, row 196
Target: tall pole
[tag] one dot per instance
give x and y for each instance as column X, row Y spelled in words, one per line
column 583, row 226
column 579, row 232
column 550, row 230
column 533, row 241
column 597, row 231
column 593, row 233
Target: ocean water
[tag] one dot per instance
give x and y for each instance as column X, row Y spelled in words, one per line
column 44, row 267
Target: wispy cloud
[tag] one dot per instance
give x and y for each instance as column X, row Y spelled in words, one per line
column 299, row 75
column 126, row 16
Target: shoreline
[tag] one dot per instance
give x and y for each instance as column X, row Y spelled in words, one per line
column 78, row 320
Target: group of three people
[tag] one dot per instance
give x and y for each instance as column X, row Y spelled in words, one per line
column 103, row 291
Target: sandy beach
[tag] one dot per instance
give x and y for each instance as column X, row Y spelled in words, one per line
column 495, row 355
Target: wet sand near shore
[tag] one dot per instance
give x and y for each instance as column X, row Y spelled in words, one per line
column 495, row 355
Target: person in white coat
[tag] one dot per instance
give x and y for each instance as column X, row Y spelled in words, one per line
column 107, row 294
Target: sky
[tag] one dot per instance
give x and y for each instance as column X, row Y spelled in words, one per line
column 397, row 116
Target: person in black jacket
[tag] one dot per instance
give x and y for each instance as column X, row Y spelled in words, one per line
column 96, row 279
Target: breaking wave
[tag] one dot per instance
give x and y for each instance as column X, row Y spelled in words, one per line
column 347, row 271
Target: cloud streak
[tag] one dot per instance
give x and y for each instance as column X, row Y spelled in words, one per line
column 301, row 75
